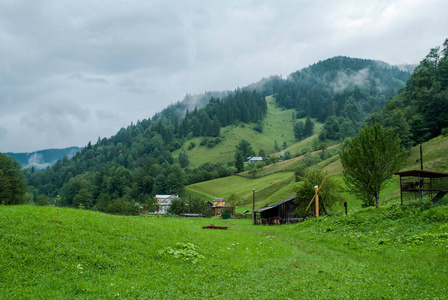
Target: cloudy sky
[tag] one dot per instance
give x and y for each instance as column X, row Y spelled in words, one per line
column 73, row 71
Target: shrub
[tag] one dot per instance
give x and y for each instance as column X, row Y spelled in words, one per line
column 445, row 131
column 436, row 214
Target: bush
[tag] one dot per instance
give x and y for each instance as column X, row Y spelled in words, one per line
column 435, row 214
column 445, row 131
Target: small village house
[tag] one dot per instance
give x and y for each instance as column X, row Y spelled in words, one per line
column 164, row 203
column 254, row 159
column 218, row 205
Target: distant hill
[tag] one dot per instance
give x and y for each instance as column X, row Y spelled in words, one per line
column 43, row 158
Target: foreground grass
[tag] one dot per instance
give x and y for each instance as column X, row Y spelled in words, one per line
column 64, row 253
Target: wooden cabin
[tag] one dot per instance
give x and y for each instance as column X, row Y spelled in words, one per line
column 278, row 213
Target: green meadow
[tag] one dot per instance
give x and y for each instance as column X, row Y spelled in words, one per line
column 61, row 253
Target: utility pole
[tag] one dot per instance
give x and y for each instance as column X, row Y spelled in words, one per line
column 253, row 206
column 421, row 157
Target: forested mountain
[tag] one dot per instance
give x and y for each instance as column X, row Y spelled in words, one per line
column 43, row 158
column 420, row 111
column 345, row 89
column 131, row 167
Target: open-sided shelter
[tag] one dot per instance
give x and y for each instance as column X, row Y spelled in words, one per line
column 420, row 183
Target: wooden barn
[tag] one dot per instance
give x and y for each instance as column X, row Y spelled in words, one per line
column 278, row 213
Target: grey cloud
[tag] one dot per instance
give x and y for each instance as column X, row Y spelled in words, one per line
column 84, row 78
column 103, row 115
column 98, row 54
column 56, row 117
column 3, row 133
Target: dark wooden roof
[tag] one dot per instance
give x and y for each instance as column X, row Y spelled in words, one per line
column 420, row 173
column 276, row 204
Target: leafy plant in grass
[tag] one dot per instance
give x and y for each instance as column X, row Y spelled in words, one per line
column 183, row 251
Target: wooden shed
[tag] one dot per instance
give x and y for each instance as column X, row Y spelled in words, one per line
column 278, row 213
column 419, row 183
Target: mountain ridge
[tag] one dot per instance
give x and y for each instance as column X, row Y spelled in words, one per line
column 42, row 159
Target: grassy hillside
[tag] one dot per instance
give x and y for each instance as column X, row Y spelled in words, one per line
column 277, row 126
column 56, row 253
column 264, row 187
column 270, row 189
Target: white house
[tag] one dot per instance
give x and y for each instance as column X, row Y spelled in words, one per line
column 254, row 159
column 164, row 202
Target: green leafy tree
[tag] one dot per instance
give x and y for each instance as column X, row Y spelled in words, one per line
column 369, row 160
column 150, row 203
column 83, row 199
column 253, row 170
column 245, row 148
column 197, row 206
column 183, row 159
column 175, row 180
column 43, row 200
column 178, row 206
column 329, row 195
column 12, row 181
column 234, row 200
column 299, row 130
column 239, row 161
column 309, row 127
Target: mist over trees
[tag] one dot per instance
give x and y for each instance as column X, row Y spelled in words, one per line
column 347, row 90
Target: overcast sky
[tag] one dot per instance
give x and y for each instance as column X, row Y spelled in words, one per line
column 73, row 71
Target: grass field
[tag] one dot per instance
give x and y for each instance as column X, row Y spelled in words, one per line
column 57, row 253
